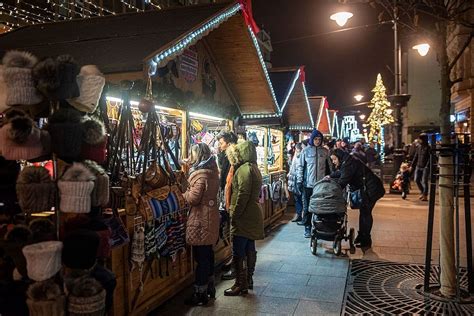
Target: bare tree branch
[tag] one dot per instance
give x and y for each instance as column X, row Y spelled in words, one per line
column 461, row 51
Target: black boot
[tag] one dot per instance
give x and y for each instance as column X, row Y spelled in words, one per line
column 199, row 297
column 251, row 262
column 357, row 240
column 211, row 288
column 240, row 286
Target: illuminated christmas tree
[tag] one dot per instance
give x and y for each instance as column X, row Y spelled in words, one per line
column 381, row 114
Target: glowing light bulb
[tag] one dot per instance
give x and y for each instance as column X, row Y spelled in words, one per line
column 362, row 116
column 422, row 49
column 341, row 17
column 358, row 97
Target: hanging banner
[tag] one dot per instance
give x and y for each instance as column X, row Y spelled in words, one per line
column 189, row 64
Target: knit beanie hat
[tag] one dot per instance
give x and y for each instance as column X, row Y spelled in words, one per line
column 75, row 188
column 91, row 83
column 80, row 249
column 3, row 92
column 45, row 299
column 100, row 193
column 66, row 130
column 42, row 229
column 21, row 139
column 94, row 146
column 43, row 260
column 87, row 297
column 35, row 189
column 56, row 78
column 9, row 171
column 21, row 88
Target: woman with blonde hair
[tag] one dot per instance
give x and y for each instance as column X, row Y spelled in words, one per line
column 202, row 229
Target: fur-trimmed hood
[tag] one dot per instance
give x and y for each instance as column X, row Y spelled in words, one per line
column 242, row 153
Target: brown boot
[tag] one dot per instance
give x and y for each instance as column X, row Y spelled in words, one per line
column 240, row 286
column 251, row 262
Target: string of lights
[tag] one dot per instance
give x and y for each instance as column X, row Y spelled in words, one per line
column 62, row 6
column 26, row 13
column 99, row 7
column 45, row 10
column 289, row 91
column 89, row 12
column 264, row 115
column 8, row 12
column 10, row 25
column 156, row 6
column 130, row 6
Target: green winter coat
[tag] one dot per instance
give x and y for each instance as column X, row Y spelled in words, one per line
column 245, row 212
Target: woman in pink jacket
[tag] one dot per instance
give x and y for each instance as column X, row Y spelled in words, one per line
column 202, row 230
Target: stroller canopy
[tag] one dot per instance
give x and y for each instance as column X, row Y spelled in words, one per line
column 327, row 198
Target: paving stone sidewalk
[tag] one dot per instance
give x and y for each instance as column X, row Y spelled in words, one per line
column 289, row 280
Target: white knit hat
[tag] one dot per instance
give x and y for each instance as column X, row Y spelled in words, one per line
column 75, row 188
column 43, row 260
column 91, row 82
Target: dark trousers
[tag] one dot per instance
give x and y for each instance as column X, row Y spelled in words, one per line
column 298, row 204
column 242, row 245
column 365, row 217
column 307, row 192
column 204, row 257
column 421, row 179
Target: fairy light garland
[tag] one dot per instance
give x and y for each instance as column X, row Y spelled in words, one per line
column 26, row 13
column 10, row 12
column 91, row 13
column 156, row 6
column 46, row 11
column 62, row 6
column 130, row 6
column 260, row 115
column 307, row 104
column 380, row 115
column 99, row 7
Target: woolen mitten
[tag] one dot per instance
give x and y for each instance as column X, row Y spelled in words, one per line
column 20, row 85
column 43, row 259
column 87, row 297
column 66, row 130
column 75, row 188
column 45, row 299
column 100, row 193
column 91, row 83
column 35, row 189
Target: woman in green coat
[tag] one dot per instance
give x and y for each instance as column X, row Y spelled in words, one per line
column 246, row 215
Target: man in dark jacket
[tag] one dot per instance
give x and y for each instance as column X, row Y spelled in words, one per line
column 359, row 177
column 421, row 164
column 225, row 139
column 371, row 155
column 314, row 164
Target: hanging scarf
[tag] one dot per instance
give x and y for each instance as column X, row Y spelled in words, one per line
column 228, row 187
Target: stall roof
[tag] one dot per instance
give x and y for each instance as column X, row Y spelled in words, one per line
column 320, row 107
column 127, row 43
column 333, row 119
column 291, row 94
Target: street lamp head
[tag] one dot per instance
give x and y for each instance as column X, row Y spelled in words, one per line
column 341, row 17
column 358, row 97
column 362, row 116
column 422, row 49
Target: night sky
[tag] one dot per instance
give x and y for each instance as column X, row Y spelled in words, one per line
column 337, row 65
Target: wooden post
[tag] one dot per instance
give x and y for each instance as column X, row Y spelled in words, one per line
column 265, row 151
column 282, row 149
column 184, row 134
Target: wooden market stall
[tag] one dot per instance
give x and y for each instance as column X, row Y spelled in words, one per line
column 200, row 66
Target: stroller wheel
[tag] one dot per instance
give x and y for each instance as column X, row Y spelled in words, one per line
column 352, row 248
column 337, row 246
column 314, row 245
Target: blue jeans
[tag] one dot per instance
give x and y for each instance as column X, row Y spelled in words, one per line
column 298, row 204
column 204, row 257
column 421, row 179
column 242, row 245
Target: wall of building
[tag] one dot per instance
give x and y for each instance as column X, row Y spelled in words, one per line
column 422, row 111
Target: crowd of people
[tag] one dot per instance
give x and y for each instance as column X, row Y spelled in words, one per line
column 233, row 181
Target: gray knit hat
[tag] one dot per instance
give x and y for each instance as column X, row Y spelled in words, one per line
column 35, row 189
column 87, row 297
column 21, row 88
column 100, row 194
column 75, row 188
column 91, row 83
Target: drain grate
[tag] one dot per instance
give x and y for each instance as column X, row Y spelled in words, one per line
column 381, row 288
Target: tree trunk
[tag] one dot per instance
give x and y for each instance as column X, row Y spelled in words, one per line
column 446, row 247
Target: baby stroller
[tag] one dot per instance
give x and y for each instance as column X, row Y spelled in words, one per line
column 329, row 220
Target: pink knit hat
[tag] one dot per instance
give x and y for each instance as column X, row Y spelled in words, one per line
column 37, row 144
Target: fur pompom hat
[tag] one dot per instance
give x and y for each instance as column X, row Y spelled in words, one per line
column 87, row 297
column 100, row 193
column 43, row 259
column 68, row 70
column 94, row 146
column 91, row 83
column 21, row 139
column 45, row 299
column 75, row 188
column 42, row 229
column 18, row 78
column 66, row 130
column 35, row 189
